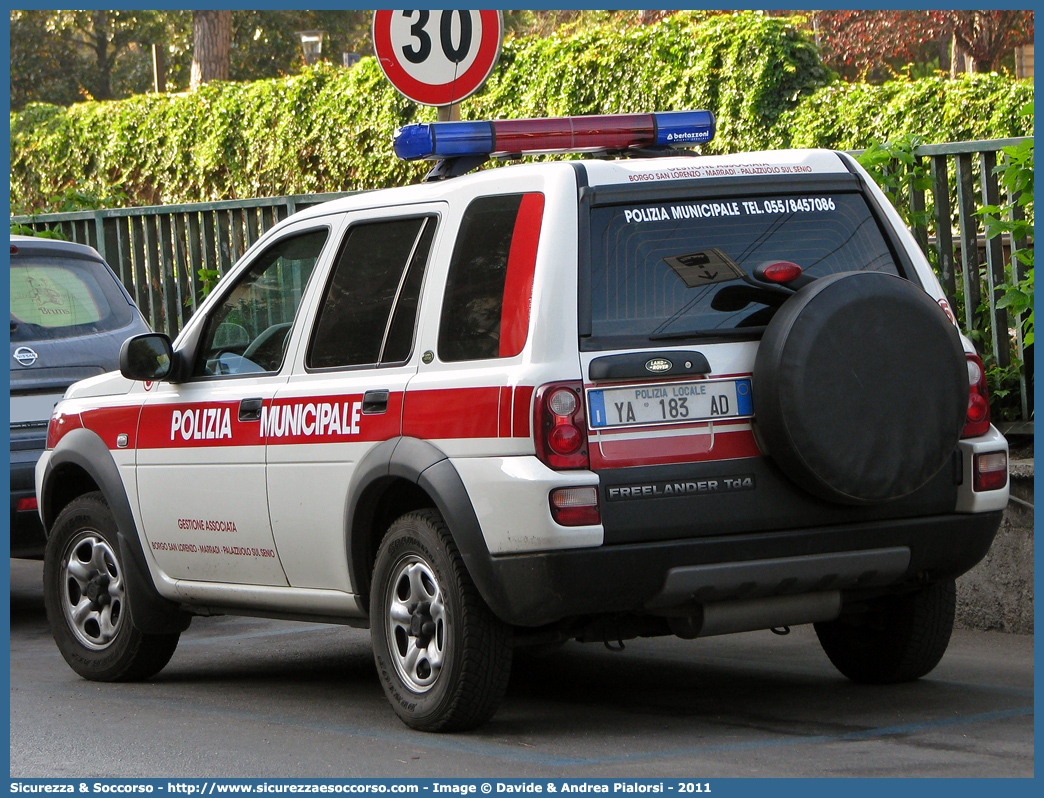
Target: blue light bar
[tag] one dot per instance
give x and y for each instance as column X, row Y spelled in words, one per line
column 674, row 128
column 414, row 142
column 439, row 140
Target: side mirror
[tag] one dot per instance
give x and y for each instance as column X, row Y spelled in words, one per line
column 147, row 357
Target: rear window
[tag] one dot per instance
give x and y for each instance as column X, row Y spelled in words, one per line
column 62, row 298
column 678, row 269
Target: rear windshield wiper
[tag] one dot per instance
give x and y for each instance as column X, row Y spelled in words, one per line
column 733, row 332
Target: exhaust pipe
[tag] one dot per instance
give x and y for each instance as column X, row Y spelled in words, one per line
column 726, row 617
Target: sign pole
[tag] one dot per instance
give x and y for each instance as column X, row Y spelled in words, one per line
column 449, row 113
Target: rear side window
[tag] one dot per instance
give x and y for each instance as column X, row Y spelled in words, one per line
column 64, row 297
column 682, row 268
column 485, row 311
column 369, row 310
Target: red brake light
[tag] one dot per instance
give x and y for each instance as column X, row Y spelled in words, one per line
column 560, row 426
column 564, row 439
column 978, row 418
column 782, row 271
column 27, row 504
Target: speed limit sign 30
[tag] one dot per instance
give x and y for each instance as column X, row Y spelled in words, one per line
column 437, row 57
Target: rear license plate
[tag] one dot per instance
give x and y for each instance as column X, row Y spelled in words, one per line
column 669, row 403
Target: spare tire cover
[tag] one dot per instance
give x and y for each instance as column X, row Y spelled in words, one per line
column 860, row 388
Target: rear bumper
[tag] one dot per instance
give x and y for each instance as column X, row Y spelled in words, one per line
column 537, row 589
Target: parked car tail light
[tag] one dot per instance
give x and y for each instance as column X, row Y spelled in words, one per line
column 560, row 426
column 60, row 425
column 978, row 420
column 27, row 504
column 576, row 506
column 990, row 470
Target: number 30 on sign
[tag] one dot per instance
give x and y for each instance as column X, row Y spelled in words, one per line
column 437, row 57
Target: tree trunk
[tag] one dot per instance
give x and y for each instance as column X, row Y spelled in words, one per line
column 981, row 65
column 211, row 35
column 945, row 53
column 958, row 58
column 103, row 85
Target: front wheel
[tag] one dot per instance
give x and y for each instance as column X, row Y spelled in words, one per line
column 85, row 595
column 444, row 659
column 898, row 639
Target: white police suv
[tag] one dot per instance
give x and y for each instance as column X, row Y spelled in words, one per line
column 586, row 399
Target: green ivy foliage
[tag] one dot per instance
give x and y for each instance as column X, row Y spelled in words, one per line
column 329, row 129
column 971, row 107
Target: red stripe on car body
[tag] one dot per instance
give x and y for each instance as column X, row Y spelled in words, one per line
column 522, row 411
column 452, row 413
column 505, row 412
column 683, row 448
column 480, row 412
column 111, row 422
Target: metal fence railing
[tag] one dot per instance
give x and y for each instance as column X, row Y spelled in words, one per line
column 971, row 268
column 158, row 251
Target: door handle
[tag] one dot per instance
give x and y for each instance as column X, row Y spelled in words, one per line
column 374, row 402
column 250, row 409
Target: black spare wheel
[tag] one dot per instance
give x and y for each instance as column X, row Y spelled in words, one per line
column 860, row 388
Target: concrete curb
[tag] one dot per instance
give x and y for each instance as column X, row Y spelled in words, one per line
column 997, row 594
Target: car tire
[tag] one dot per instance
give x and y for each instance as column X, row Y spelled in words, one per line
column 860, row 388
column 897, row 639
column 85, row 595
column 443, row 658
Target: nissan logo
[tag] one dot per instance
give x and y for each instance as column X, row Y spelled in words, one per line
column 658, row 364
column 25, row 355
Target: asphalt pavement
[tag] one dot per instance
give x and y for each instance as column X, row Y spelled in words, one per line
column 246, row 697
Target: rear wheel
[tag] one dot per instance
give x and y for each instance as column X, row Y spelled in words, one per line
column 443, row 657
column 898, row 639
column 85, row 594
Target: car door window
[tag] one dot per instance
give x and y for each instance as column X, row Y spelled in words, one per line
column 248, row 331
column 369, row 308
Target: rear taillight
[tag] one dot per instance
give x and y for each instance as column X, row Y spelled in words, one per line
column 577, row 506
column 990, row 471
column 978, row 418
column 560, row 426
column 781, row 272
column 27, row 504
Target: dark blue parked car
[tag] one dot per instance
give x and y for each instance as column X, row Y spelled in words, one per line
column 69, row 317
